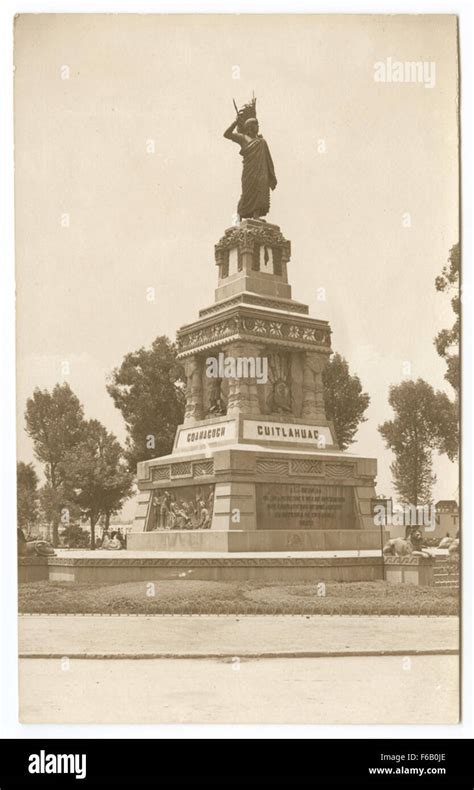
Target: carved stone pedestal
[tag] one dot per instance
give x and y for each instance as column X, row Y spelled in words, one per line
column 255, row 466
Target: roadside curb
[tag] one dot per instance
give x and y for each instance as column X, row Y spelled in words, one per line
column 245, row 655
column 235, row 615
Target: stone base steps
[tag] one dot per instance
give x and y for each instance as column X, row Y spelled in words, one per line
column 446, row 574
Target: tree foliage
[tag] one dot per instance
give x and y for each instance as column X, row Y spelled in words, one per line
column 54, row 421
column 447, row 341
column 95, row 474
column 413, row 434
column 27, row 496
column 148, row 390
column 344, row 400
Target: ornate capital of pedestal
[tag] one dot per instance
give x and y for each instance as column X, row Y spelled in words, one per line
column 250, row 233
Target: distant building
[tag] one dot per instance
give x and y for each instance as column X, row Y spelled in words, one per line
column 443, row 516
column 447, row 518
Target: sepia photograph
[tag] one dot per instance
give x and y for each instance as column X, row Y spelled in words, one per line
column 238, row 379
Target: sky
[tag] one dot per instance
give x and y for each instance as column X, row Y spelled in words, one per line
column 124, row 183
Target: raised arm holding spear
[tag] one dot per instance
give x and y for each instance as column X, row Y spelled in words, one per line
column 258, row 173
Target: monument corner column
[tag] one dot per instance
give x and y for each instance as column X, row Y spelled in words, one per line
column 194, row 407
column 313, row 390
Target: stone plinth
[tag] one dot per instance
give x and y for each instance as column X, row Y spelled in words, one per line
column 254, row 491
column 409, row 570
column 257, row 540
column 134, row 567
column 33, row 569
column 255, row 465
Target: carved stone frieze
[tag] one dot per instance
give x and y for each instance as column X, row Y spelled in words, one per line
column 292, row 332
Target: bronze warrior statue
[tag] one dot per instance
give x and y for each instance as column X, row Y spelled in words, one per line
column 258, row 173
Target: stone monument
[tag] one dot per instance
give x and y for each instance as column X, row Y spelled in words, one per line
column 255, row 465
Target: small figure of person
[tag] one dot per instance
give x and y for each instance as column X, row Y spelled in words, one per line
column 165, row 511
column 181, row 511
column 121, row 538
column 105, row 540
column 205, row 521
column 216, row 405
column 114, row 543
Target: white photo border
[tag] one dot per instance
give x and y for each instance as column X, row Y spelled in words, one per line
column 9, row 724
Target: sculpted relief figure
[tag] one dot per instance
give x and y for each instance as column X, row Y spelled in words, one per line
column 258, row 173
column 279, row 400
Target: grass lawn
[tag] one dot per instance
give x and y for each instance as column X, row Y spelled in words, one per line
column 208, row 597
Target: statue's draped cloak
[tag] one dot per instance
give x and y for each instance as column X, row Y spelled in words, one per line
column 258, row 177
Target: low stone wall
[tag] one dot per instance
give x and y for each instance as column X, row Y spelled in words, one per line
column 114, row 570
column 298, row 567
column 33, row 569
column 409, row 570
column 257, row 540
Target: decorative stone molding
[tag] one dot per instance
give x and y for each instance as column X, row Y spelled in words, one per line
column 242, row 327
column 201, row 562
column 269, row 466
column 339, row 470
column 202, row 468
column 306, row 467
column 249, row 237
column 160, row 473
column 35, row 560
column 183, row 469
column 246, row 298
column 411, row 560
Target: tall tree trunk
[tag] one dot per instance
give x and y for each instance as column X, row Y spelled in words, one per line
column 57, row 517
column 56, row 530
column 416, row 481
column 94, row 520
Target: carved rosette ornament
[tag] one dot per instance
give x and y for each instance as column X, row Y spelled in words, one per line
column 298, row 333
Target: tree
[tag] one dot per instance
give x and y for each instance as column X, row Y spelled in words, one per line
column 27, row 496
column 95, row 474
column 447, row 341
column 344, row 400
column 148, row 390
column 412, row 436
column 447, row 346
column 75, row 537
column 55, row 421
column 56, row 505
column 447, row 426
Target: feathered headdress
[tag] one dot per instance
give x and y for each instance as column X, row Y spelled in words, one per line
column 249, row 110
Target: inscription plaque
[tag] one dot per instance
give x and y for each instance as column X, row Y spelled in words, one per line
column 318, row 437
column 284, row 506
column 203, row 435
